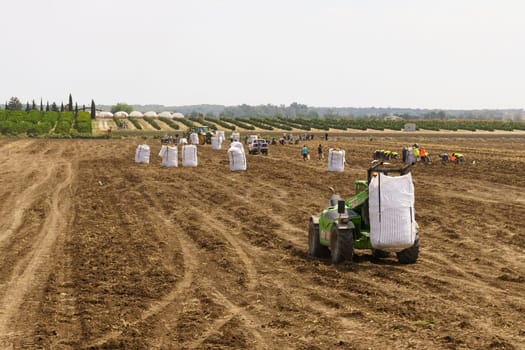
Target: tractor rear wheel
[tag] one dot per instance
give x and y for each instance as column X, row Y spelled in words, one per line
column 315, row 248
column 341, row 244
column 409, row 255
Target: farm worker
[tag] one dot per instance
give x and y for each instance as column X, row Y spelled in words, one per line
column 320, row 151
column 304, row 152
column 422, row 152
column 415, row 150
column 452, row 158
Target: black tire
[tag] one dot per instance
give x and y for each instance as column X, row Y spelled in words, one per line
column 379, row 254
column 409, row 255
column 314, row 245
column 341, row 244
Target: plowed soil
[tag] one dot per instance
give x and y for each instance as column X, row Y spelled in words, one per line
column 99, row 252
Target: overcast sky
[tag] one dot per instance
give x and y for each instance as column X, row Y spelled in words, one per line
column 458, row 54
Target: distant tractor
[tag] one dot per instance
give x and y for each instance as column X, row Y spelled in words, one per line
column 204, row 133
column 380, row 217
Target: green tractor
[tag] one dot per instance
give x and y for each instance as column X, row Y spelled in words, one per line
column 204, row 133
column 346, row 224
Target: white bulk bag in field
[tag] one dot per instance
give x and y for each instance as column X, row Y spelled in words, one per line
column 236, row 136
column 169, row 155
column 216, row 142
column 391, row 211
column 237, row 158
column 194, row 138
column 220, row 134
column 237, row 144
column 142, row 154
column 336, row 160
column 189, row 155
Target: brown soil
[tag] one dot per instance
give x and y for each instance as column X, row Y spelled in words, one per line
column 99, row 252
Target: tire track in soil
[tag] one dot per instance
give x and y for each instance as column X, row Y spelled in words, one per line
column 231, row 308
column 177, row 294
column 27, row 273
column 166, row 310
column 190, row 250
column 22, row 202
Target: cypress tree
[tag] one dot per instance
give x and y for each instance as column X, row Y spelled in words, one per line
column 41, row 105
column 62, row 107
column 76, row 108
column 33, row 105
column 70, row 106
column 93, row 110
column 83, row 108
column 27, row 107
column 47, row 106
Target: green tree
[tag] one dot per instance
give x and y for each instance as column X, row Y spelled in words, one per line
column 47, row 106
column 93, row 110
column 41, row 105
column 14, row 104
column 54, row 107
column 33, row 105
column 121, row 106
column 27, row 107
column 70, row 105
column 62, row 107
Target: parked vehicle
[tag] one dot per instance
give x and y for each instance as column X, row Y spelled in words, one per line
column 258, row 146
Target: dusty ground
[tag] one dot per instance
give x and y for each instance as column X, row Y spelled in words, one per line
column 99, row 252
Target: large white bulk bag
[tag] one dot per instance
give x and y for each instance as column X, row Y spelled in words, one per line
column 220, row 134
column 236, row 136
column 216, row 142
column 336, row 160
column 142, row 154
column 237, row 144
column 189, row 155
column 169, row 155
column 237, row 159
column 391, row 211
column 194, row 137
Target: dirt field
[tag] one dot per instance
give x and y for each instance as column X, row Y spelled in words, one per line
column 98, row 252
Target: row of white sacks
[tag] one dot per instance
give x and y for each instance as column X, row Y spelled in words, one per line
column 236, row 155
column 170, row 157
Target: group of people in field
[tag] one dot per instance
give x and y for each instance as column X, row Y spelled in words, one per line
column 306, row 155
column 413, row 154
column 454, row 157
column 416, row 153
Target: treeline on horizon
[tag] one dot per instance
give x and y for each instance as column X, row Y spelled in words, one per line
column 303, row 111
column 294, row 110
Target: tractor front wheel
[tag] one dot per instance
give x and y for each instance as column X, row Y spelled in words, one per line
column 315, row 248
column 409, row 255
column 341, row 244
